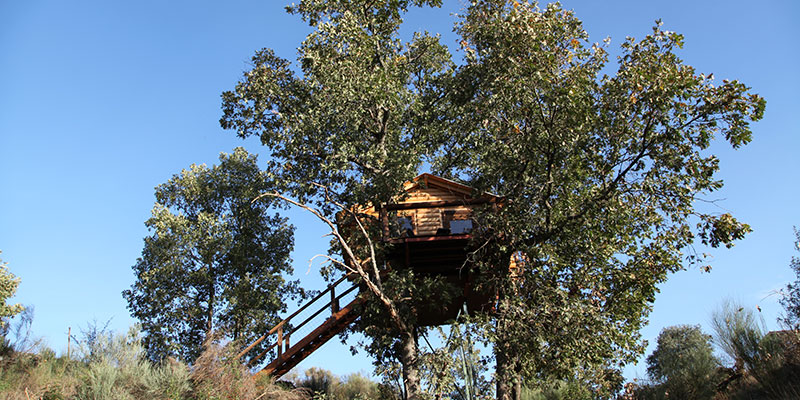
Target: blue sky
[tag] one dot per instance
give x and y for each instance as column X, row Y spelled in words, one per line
column 101, row 101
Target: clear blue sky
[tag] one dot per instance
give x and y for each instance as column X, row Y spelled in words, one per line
column 101, row 101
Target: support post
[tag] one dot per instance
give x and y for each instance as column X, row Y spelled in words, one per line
column 334, row 301
column 280, row 341
column 385, row 222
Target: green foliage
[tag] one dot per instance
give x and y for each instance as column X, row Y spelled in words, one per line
column 738, row 333
column 456, row 370
column 558, row 390
column 345, row 123
column 683, row 364
column 8, row 287
column 600, row 173
column 116, row 368
column 214, row 260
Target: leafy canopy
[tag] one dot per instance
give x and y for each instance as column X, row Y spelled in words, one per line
column 600, row 172
column 344, row 121
column 214, row 261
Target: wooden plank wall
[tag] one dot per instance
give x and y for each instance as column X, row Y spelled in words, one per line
column 427, row 221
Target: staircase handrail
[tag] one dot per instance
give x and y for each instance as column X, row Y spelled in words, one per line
column 332, row 304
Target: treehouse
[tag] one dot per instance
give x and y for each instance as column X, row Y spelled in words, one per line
column 428, row 230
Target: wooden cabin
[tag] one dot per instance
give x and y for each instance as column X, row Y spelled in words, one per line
column 429, row 229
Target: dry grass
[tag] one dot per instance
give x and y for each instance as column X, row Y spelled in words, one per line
column 217, row 374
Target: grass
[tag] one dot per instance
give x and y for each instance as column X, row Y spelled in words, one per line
column 113, row 367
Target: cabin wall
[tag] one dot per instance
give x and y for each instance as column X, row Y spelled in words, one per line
column 428, row 221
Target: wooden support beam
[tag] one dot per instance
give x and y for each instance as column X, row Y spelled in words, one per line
column 334, row 302
column 437, row 204
column 280, row 341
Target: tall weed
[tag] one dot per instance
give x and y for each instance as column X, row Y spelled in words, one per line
column 218, row 374
column 766, row 359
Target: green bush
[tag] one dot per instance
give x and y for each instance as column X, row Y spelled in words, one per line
column 323, row 384
column 764, row 359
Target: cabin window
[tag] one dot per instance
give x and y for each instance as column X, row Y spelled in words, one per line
column 403, row 226
column 460, row 226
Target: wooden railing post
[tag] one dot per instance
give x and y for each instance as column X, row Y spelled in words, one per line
column 280, row 340
column 334, row 301
column 384, row 215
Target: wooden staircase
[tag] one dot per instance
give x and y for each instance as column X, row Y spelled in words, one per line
column 289, row 355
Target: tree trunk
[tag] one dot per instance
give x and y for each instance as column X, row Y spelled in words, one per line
column 503, row 374
column 409, row 357
column 210, row 312
column 516, row 394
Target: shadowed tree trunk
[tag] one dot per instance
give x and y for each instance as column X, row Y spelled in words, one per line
column 409, row 357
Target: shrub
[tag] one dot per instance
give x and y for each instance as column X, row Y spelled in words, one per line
column 323, row 384
column 218, row 374
column 766, row 359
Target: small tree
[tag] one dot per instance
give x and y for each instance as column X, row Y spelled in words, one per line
column 8, row 287
column 214, row 261
column 683, row 363
column 791, row 299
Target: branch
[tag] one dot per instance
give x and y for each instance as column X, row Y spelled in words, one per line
column 377, row 291
column 373, row 259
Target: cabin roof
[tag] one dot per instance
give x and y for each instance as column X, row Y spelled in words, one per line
column 429, row 180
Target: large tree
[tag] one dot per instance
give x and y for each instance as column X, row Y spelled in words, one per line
column 341, row 133
column 600, row 173
column 214, row 261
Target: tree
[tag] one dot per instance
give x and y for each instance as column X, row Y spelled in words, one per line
column 8, row 286
column 341, row 133
column 791, row 299
column 683, row 364
column 214, row 261
column 600, row 173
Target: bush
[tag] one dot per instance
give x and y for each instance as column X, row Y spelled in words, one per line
column 218, row 374
column 116, row 368
column 764, row 359
column 323, row 384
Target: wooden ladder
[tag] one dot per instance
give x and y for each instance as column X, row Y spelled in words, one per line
column 289, row 355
